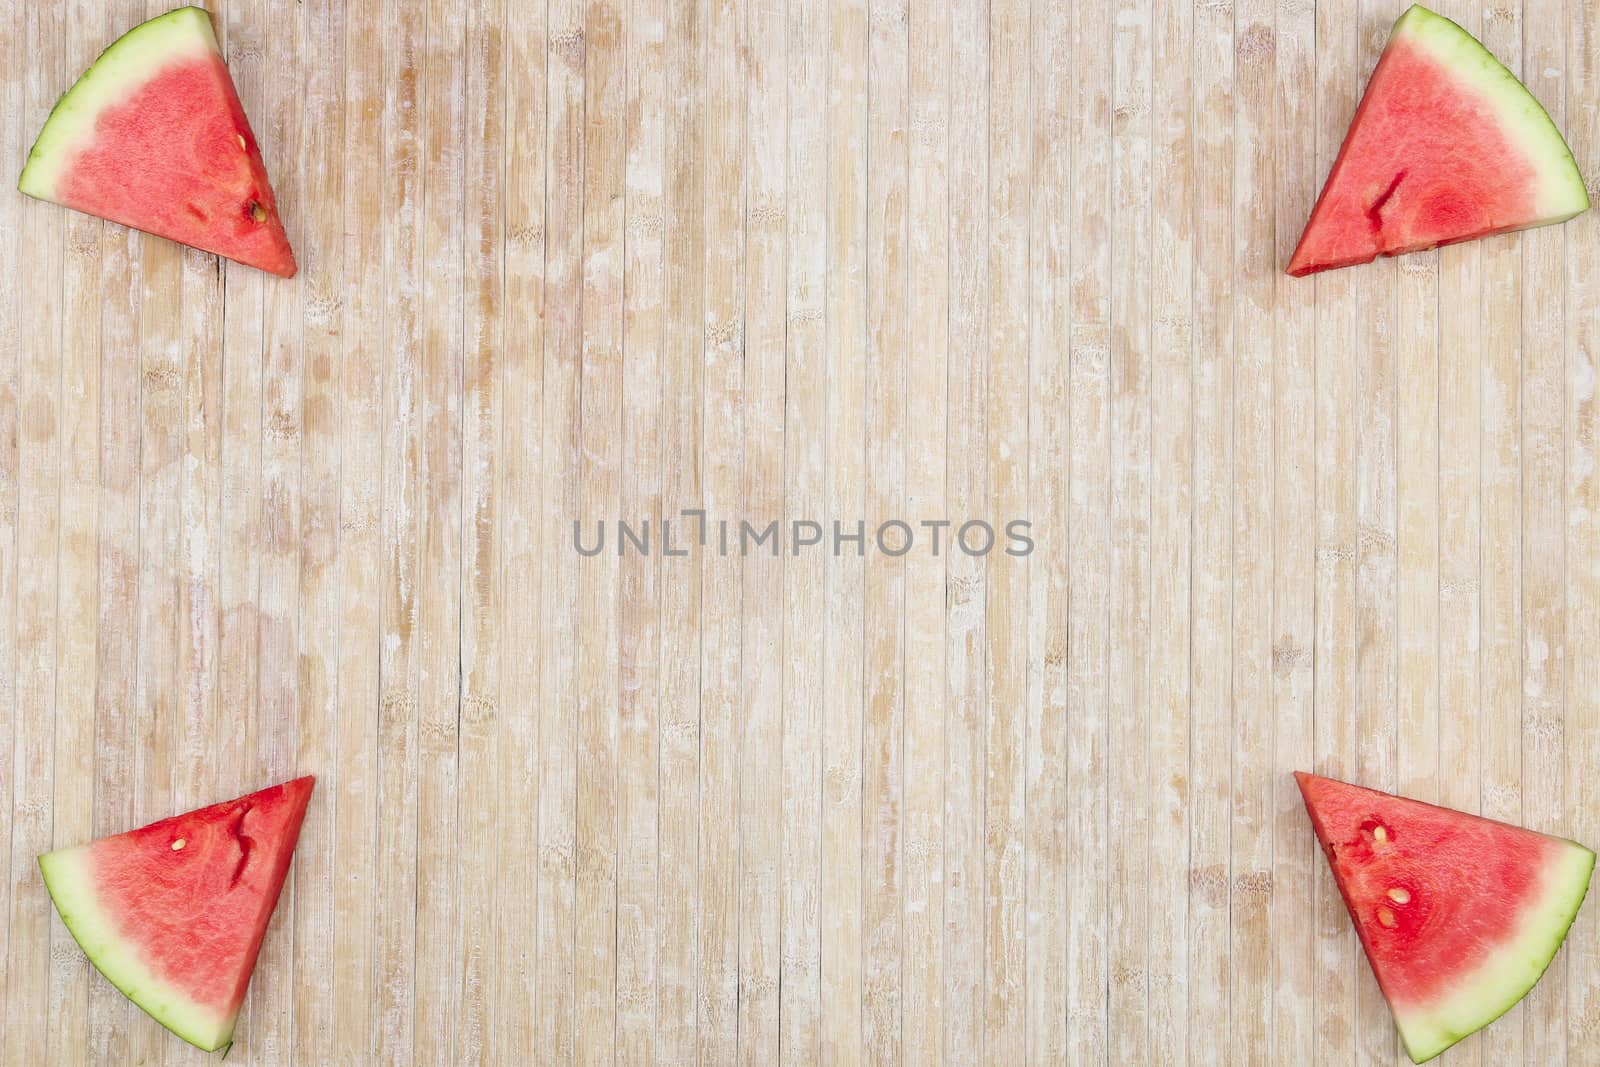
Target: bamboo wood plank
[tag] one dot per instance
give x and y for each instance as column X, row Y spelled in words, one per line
column 677, row 1008
column 556, row 1041
column 1005, row 609
column 966, row 493
column 1338, row 90
column 437, row 626
column 1129, row 648
column 843, row 668
column 884, row 582
column 399, row 533
column 760, row 803
column 804, row 574
column 1172, row 509
column 318, row 247
column 1256, row 269
column 927, row 693
column 1296, row 351
column 1049, row 929
column 77, row 589
column 516, row 1029
column 599, row 417
column 639, row 741
column 723, row 459
column 1582, row 499
column 1211, row 687
column 480, row 714
column 34, row 388
column 1544, row 520
column 1090, row 472
column 1501, row 606
column 18, row 111
column 360, row 408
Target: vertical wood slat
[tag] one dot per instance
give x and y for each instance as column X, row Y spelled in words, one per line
column 17, row 113
column 927, row 694
column 1501, row 589
column 1005, row 444
column 1338, row 88
column 561, row 449
column 599, row 494
column 518, row 901
column 884, row 580
column 1091, row 215
column 396, row 809
column 121, row 287
column 643, row 476
column 437, row 621
column 845, row 383
column 78, row 565
column 1544, row 521
column 967, row 494
column 1171, row 514
column 30, row 473
column 1130, row 652
column 1213, row 710
column 315, row 228
column 1375, row 706
column 804, row 574
column 1256, row 269
column 351, row 791
column 1050, row 921
column 481, row 711
column 722, row 464
column 1296, row 350
column 677, row 1020
column 1582, row 498
column 759, row 717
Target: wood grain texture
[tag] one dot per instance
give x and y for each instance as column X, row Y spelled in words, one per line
column 688, row 269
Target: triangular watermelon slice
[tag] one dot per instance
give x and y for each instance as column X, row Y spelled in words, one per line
column 173, row 914
column 153, row 136
column 1446, row 146
column 1459, row 915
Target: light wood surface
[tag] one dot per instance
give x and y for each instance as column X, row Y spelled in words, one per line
column 853, row 260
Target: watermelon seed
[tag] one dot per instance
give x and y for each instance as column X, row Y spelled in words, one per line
column 258, row 212
column 177, row 846
column 1380, row 834
column 1386, row 917
column 241, row 140
column 1399, row 896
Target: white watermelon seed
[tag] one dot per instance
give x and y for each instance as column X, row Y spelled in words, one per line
column 1386, row 917
column 1399, row 896
column 177, row 846
column 1380, row 833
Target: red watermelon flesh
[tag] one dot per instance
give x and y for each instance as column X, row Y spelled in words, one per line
column 153, row 136
column 1459, row 915
column 1446, row 146
column 174, row 913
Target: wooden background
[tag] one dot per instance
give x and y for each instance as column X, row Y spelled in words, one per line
column 854, row 259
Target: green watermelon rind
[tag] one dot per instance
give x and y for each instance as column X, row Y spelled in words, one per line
column 70, row 882
column 129, row 60
column 1515, row 967
column 1522, row 118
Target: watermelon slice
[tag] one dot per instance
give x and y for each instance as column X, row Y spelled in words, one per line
column 174, row 913
column 1446, row 146
column 152, row 136
column 1459, row 915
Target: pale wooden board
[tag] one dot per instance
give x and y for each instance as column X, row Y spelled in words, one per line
column 859, row 260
